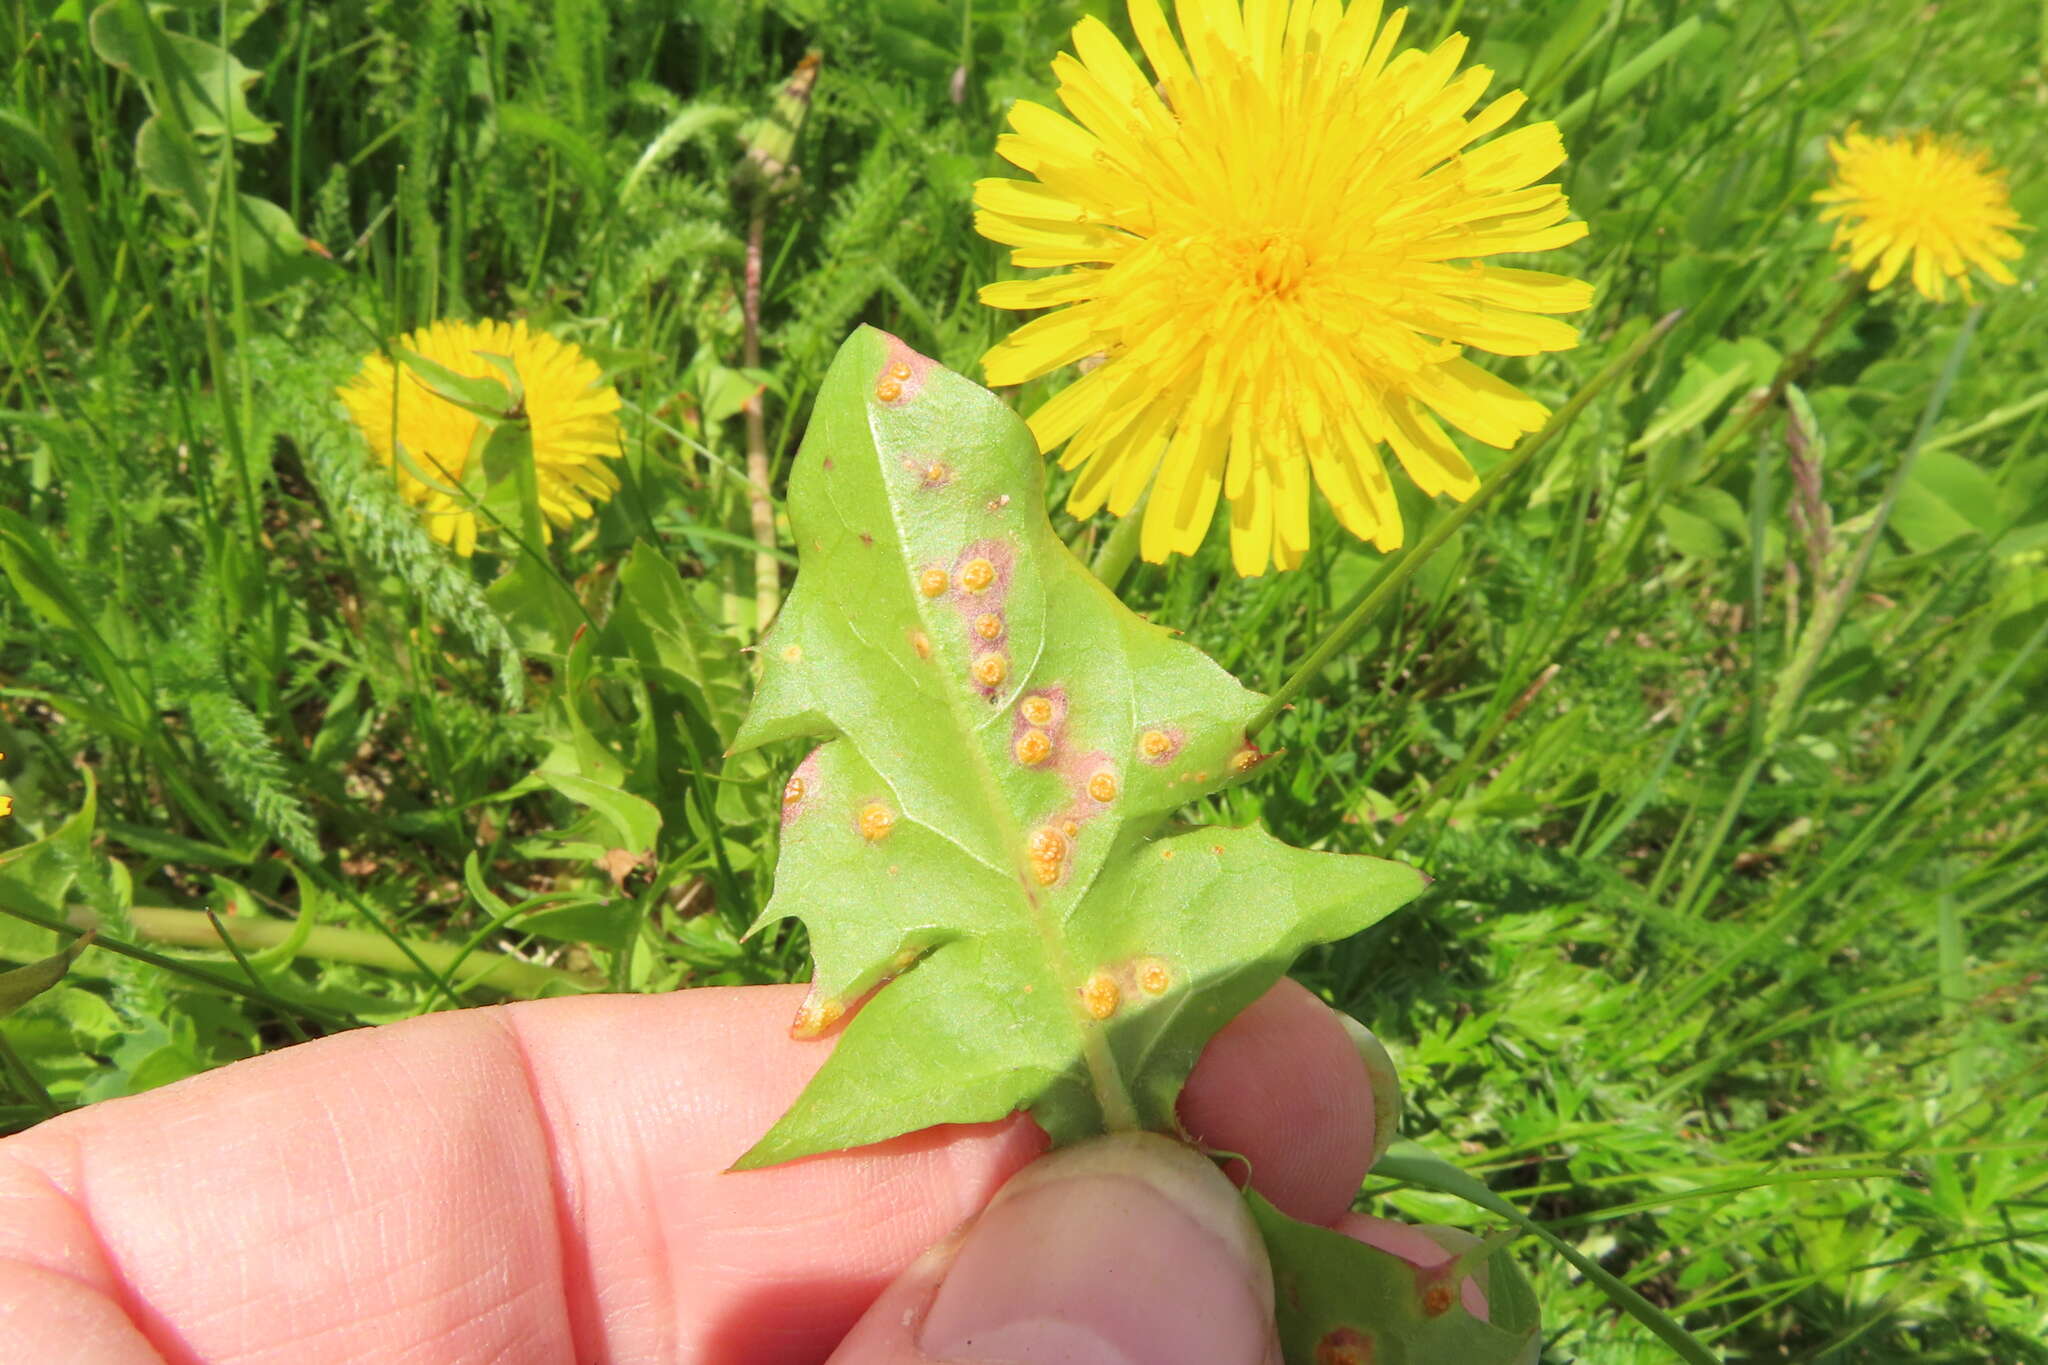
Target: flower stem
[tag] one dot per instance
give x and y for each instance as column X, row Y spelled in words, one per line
column 1790, row 687
column 85, row 919
column 767, row 571
column 1119, row 548
column 1445, row 527
column 1792, row 683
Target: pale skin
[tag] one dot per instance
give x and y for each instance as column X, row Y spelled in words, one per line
column 546, row 1182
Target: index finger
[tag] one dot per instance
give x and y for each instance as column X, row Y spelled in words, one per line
column 541, row 1181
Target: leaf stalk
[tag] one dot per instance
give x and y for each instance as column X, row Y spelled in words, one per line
column 1120, row 548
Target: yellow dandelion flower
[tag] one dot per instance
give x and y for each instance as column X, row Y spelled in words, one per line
column 1267, row 249
column 571, row 411
column 1921, row 197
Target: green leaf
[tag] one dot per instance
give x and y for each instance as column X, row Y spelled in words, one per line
column 984, row 824
column 508, row 371
column 1946, row 498
column 24, row 984
column 677, row 642
column 1414, row 1165
column 1690, row 534
column 609, row 923
column 501, row 476
column 52, row 863
column 479, row 395
column 692, row 120
column 1710, row 379
column 633, row 818
column 17, row 132
column 270, row 247
column 1632, row 72
column 1338, row 1299
column 205, row 83
column 1571, row 32
column 36, row 877
column 174, row 166
column 577, row 152
column 266, row 242
column 33, row 569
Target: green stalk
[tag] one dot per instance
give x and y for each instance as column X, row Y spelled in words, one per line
column 1445, row 527
column 227, row 941
column 1814, row 641
column 1113, row 560
column 175, row 966
column 1738, row 424
column 1791, row 684
column 761, row 507
column 497, row 971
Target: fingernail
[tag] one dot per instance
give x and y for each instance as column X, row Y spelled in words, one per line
column 1126, row 1250
column 1386, row 1085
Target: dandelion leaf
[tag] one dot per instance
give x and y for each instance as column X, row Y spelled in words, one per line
column 1338, row 1299
column 978, row 847
column 23, row 984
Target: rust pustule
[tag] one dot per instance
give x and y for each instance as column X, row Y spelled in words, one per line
column 875, row 821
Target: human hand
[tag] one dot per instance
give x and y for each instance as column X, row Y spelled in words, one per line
column 547, row 1182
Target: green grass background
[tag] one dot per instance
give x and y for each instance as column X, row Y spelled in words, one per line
column 1747, row 1011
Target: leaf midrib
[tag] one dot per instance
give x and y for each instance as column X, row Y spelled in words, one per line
column 1119, row 1111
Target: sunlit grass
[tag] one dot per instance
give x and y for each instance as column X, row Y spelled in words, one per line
column 1746, row 1012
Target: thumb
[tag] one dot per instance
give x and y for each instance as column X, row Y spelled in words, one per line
column 1125, row 1250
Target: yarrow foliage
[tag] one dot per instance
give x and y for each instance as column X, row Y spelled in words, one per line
column 1920, row 198
column 428, row 441
column 1279, row 252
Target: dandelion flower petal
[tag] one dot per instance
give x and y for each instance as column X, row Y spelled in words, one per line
column 1278, row 251
column 426, row 441
column 1921, row 201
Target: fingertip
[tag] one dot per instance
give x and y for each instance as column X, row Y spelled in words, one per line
column 887, row 1333
column 1122, row 1249
column 1284, row 1085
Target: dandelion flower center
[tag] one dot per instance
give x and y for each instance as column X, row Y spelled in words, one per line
column 1270, row 265
column 1266, row 248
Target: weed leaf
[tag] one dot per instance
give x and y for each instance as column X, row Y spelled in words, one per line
column 983, row 824
column 23, row 984
column 1339, row 1299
